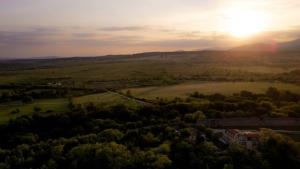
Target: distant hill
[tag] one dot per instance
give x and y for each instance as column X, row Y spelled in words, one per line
column 292, row 45
column 284, row 46
column 47, row 57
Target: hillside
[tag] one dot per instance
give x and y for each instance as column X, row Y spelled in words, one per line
column 271, row 47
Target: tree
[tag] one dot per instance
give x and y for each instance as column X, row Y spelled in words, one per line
column 94, row 156
column 16, row 111
column 266, row 107
column 4, row 166
column 5, row 95
column 228, row 166
column 110, row 135
column 242, row 158
column 149, row 140
column 278, row 150
column 273, row 93
column 128, row 93
column 199, row 115
column 27, row 99
column 162, row 162
column 246, row 94
column 37, row 109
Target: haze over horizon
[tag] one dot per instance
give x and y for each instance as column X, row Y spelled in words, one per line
column 31, row 28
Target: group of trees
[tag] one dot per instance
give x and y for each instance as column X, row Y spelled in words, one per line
column 29, row 96
column 273, row 103
column 162, row 136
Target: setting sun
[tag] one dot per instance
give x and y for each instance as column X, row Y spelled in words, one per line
column 245, row 23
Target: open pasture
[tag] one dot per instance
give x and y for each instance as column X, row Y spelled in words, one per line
column 227, row 88
column 55, row 105
column 103, row 99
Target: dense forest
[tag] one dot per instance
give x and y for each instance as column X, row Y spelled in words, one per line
column 163, row 134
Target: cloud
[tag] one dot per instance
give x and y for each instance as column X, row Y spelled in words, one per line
column 106, row 41
column 84, row 35
column 137, row 28
column 183, row 43
column 33, row 36
column 125, row 28
column 8, row 38
column 43, row 30
column 40, row 37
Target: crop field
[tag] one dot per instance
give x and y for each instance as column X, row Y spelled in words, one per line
column 103, row 99
column 261, row 69
column 57, row 105
column 149, row 69
column 135, row 70
column 150, row 75
column 183, row 90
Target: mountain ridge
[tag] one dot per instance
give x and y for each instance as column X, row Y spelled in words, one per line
column 293, row 45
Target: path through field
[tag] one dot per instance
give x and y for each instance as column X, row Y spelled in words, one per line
column 127, row 97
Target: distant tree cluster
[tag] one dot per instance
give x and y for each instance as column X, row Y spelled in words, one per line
column 273, row 103
column 29, row 96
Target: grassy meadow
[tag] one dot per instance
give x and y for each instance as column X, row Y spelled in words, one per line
column 59, row 105
column 55, row 105
column 102, row 99
column 183, row 90
column 146, row 75
column 150, row 69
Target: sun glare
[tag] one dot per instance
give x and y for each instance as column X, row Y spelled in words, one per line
column 245, row 23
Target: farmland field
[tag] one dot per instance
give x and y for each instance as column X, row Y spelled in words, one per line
column 146, row 75
column 151, row 69
column 182, row 90
column 57, row 105
column 102, row 99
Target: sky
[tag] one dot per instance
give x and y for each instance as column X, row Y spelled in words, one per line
column 35, row 28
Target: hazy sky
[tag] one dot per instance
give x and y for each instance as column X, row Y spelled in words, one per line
column 99, row 27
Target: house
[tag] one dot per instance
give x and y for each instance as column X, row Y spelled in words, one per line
column 249, row 139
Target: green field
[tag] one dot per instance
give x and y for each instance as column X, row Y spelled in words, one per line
column 102, row 99
column 57, row 105
column 183, row 90
column 172, row 74
column 108, row 98
column 152, row 69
